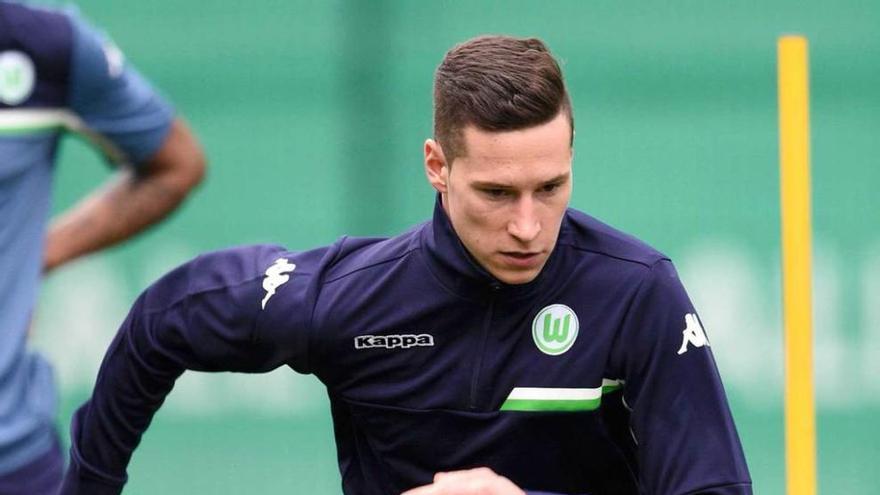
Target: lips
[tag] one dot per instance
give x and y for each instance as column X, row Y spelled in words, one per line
column 521, row 259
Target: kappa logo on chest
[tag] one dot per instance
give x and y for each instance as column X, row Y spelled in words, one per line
column 402, row 341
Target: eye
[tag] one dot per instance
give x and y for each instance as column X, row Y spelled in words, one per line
column 550, row 188
column 496, row 193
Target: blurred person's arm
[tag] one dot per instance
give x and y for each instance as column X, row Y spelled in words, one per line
column 127, row 119
column 247, row 309
column 130, row 202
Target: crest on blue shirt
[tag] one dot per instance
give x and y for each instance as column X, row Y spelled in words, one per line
column 17, row 77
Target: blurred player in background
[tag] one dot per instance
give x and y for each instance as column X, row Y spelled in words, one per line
column 58, row 74
column 509, row 344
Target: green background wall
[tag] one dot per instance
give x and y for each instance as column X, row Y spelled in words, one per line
column 313, row 115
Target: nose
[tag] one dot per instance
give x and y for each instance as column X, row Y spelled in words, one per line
column 525, row 225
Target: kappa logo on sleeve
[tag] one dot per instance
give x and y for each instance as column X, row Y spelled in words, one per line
column 393, row 341
column 276, row 276
column 692, row 334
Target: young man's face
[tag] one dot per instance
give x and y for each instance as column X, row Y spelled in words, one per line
column 506, row 196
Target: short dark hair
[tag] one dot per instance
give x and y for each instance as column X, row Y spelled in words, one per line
column 496, row 83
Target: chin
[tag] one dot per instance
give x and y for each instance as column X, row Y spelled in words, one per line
column 517, row 278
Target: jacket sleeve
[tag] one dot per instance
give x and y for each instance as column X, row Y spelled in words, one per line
column 686, row 440
column 245, row 309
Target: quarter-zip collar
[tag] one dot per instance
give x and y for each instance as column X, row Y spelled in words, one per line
column 459, row 272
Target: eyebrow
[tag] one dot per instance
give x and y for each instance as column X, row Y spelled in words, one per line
column 559, row 179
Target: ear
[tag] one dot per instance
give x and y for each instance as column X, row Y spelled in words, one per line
column 435, row 166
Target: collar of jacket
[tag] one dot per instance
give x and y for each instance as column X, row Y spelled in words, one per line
column 459, row 272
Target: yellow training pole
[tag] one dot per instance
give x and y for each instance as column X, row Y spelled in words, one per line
column 794, row 145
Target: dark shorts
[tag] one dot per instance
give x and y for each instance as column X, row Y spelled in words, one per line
column 39, row 477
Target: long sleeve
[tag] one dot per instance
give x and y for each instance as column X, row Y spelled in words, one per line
column 244, row 310
column 686, row 440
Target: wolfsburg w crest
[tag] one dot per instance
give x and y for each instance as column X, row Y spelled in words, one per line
column 554, row 329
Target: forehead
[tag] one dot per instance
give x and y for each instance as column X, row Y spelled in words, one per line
column 522, row 154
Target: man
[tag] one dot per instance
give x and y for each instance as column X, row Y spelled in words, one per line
column 57, row 73
column 509, row 344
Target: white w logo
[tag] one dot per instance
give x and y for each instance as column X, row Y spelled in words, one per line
column 554, row 329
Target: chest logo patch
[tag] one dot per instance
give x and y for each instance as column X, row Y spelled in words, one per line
column 17, row 77
column 555, row 329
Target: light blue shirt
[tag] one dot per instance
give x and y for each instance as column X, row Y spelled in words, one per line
column 57, row 74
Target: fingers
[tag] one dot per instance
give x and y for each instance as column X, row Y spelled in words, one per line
column 465, row 474
column 423, row 490
column 478, row 481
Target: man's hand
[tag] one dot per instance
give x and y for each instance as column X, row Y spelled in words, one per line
column 479, row 481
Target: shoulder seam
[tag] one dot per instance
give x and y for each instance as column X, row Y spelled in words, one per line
column 371, row 265
column 647, row 264
column 210, row 289
column 205, row 291
column 720, row 485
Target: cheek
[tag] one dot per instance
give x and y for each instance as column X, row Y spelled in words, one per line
column 552, row 218
column 486, row 223
column 478, row 226
column 479, row 214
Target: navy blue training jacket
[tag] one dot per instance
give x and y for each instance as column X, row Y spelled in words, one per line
column 594, row 378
